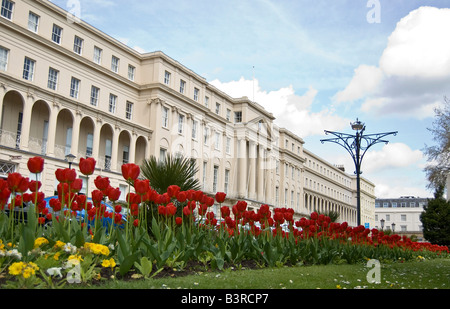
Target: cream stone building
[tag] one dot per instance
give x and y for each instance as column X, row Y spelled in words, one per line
column 68, row 88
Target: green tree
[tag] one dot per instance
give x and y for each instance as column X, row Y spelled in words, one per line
column 173, row 170
column 436, row 219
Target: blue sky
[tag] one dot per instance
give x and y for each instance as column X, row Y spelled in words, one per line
column 316, row 65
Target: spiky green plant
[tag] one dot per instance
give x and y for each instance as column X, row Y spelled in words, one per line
column 172, row 170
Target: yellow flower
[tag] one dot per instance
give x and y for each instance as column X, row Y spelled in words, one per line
column 59, row 244
column 97, row 248
column 40, row 241
column 109, row 263
column 338, row 287
column 16, row 268
column 56, row 256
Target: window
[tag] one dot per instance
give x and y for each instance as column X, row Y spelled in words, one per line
column 194, row 129
column 394, row 204
column 56, row 34
column 162, row 154
column 94, row 95
column 228, row 114
column 28, row 69
column 285, row 197
column 115, row 64
column 131, row 72
column 7, row 9
column 78, row 45
column 196, row 92
column 228, row 146
column 217, row 141
column 33, row 22
column 167, row 78
column 129, row 110
column 205, row 170
column 277, row 167
column 238, row 117
column 182, row 86
column 3, row 58
column 180, row 123
column 165, row 117
column 217, row 108
column 215, row 176
column 97, row 55
column 89, row 144
column 206, row 101
column 226, row 182
column 112, row 103
column 52, row 78
column 74, row 87
column 125, row 154
column 205, row 136
column 403, row 217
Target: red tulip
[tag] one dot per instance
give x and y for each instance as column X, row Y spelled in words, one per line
column 102, row 183
column 130, row 171
column 171, row 209
column 173, row 190
column 220, row 197
column 97, row 197
column 178, row 221
column 65, row 175
column 35, row 165
column 76, row 185
column 87, row 166
column 181, row 196
column 141, row 186
column 17, row 183
column 113, row 194
column 225, row 211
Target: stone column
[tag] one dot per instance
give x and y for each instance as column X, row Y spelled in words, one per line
column 252, row 170
column 242, row 162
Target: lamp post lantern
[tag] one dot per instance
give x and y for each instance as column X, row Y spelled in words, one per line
column 357, row 145
column 69, row 158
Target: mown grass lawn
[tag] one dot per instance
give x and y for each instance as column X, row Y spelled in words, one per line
column 428, row 274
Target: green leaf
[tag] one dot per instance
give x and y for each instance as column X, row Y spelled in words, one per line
column 128, row 262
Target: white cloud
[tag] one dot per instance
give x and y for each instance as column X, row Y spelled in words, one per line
column 419, row 45
column 292, row 111
column 392, row 155
column 414, row 70
column 365, row 81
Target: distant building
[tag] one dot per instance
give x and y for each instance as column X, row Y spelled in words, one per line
column 402, row 215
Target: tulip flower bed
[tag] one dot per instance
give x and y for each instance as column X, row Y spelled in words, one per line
column 55, row 246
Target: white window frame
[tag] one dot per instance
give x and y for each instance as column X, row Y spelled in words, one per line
column 97, row 55
column 215, row 178
column 165, row 117
column 194, row 128
column 28, row 69
column 115, row 64
column 167, row 77
column 217, row 108
column 57, row 34
column 4, row 55
column 182, row 86
column 33, row 22
column 131, row 72
column 196, row 93
column 7, row 9
column 206, row 101
column 217, row 141
column 226, row 181
column 78, row 45
column 53, row 75
column 74, row 87
column 238, row 117
column 112, row 103
column 95, row 91
column 180, row 123
column 228, row 145
column 129, row 110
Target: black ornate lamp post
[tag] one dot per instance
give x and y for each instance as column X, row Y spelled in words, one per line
column 357, row 146
column 69, row 158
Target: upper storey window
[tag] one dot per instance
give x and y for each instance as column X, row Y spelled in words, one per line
column 97, row 55
column 115, row 64
column 7, row 9
column 56, row 34
column 167, row 78
column 78, row 45
column 33, row 22
column 182, row 86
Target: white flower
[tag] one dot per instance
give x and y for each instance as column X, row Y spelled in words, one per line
column 54, row 271
column 69, row 248
column 14, row 253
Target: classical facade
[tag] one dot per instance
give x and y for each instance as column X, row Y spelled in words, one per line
column 402, row 215
column 68, row 88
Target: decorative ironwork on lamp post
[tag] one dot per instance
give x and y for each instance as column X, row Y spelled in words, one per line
column 357, row 146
